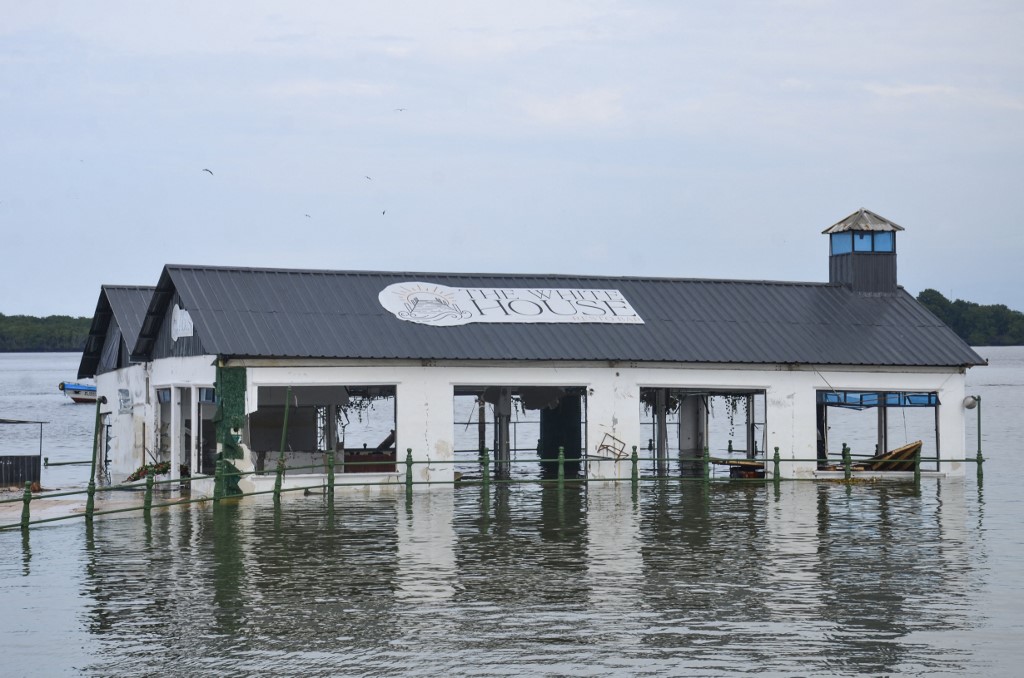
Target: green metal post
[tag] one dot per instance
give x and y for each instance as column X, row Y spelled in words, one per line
column 980, row 459
column 278, row 478
column 330, row 472
column 846, row 462
column 284, row 443
column 777, row 461
column 218, row 481
column 147, row 502
column 408, row 468
column 707, row 463
column 561, row 464
column 90, row 502
column 634, row 474
column 917, row 466
column 486, row 476
column 27, row 499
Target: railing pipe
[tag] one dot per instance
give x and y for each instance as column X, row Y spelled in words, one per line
column 147, row 502
column 408, row 468
column 218, row 481
column 330, row 472
column 486, row 475
column 25, row 511
column 284, row 443
column 777, row 461
column 90, row 502
column 980, row 459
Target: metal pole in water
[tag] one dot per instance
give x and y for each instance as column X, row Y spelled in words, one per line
column 284, row 442
column 776, row 460
column 408, row 468
column 147, row 502
column 634, row 473
column 486, row 476
column 846, row 462
column 917, row 466
column 330, row 472
column 980, row 458
column 27, row 499
column 218, row 481
column 90, row 502
column 561, row 464
column 707, row 463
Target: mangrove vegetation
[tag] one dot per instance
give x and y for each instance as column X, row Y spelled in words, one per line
column 28, row 334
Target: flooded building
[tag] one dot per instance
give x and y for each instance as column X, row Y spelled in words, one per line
column 248, row 363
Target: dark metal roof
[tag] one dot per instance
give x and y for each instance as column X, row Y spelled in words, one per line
column 245, row 312
column 863, row 220
column 124, row 304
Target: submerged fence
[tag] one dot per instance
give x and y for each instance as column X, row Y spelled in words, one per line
column 699, row 468
column 404, row 476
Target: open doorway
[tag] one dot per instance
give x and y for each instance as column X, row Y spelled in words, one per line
column 681, row 422
column 522, row 428
column 883, row 429
column 356, row 421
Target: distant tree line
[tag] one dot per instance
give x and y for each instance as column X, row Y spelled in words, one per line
column 992, row 325
column 27, row 334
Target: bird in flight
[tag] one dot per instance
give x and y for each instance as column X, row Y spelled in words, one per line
column 400, row 109
column 206, row 170
column 307, row 216
column 370, row 178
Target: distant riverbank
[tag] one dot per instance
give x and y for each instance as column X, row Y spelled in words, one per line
column 28, row 334
column 991, row 325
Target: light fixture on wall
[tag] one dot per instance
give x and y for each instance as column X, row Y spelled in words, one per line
column 971, row 401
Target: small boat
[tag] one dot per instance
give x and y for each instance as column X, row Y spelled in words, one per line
column 79, row 393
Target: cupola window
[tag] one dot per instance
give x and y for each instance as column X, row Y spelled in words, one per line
column 863, row 241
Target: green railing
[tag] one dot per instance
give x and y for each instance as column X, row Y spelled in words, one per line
column 703, row 462
column 404, row 475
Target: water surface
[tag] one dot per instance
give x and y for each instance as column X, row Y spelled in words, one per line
column 678, row 578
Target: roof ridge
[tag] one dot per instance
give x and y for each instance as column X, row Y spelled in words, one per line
column 450, row 274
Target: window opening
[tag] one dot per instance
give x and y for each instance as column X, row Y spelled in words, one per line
column 681, row 422
column 522, row 428
column 358, row 422
column 879, row 439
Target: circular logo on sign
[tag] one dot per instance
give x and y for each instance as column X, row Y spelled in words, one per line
column 423, row 303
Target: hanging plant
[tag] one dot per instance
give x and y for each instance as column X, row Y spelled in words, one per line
column 158, row 469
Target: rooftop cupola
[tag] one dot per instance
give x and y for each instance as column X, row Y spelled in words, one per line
column 862, row 252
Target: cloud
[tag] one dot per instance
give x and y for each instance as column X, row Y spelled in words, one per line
column 313, row 88
column 900, row 91
column 597, row 107
column 948, row 93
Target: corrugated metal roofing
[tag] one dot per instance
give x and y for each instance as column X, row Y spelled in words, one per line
column 246, row 312
column 863, row 220
column 126, row 305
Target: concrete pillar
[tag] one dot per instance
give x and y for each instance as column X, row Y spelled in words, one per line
column 176, row 436
column 693, row 420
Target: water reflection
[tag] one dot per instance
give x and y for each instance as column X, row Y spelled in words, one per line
column 577, row 579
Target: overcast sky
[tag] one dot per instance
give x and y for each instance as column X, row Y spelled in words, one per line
column 707, row 139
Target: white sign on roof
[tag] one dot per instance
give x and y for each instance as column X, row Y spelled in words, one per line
column 442, row 306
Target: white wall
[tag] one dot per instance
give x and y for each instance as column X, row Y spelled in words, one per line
column 426, row 419
column 425, row 416
column 130, row 425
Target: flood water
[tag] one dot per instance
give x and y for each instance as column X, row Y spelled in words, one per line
column 680, row 578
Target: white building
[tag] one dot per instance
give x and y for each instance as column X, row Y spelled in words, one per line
column 592, row 357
